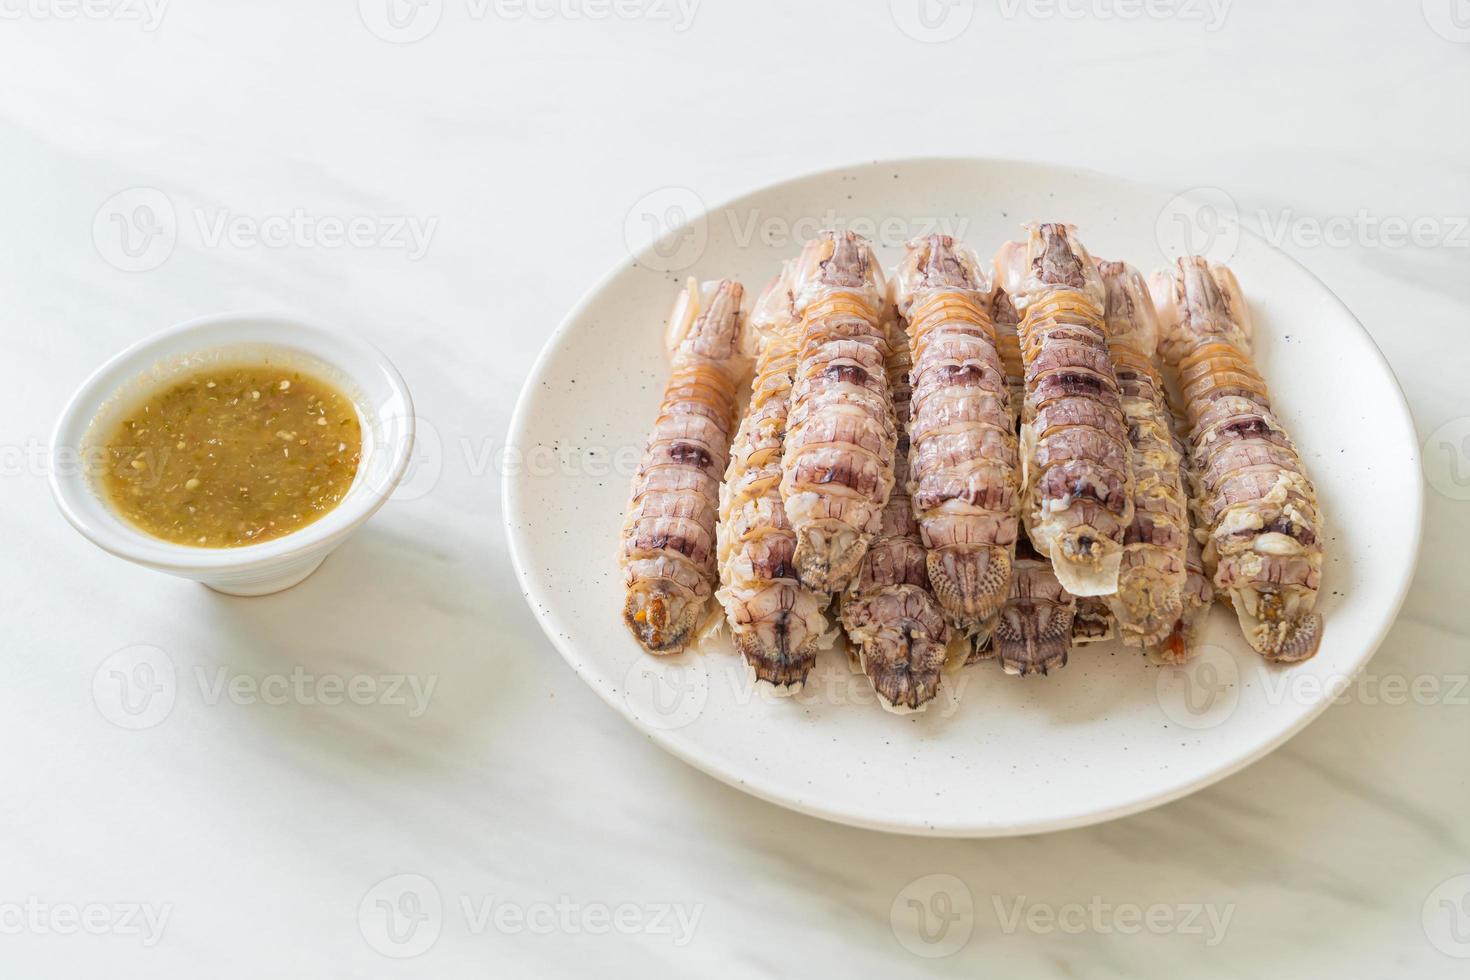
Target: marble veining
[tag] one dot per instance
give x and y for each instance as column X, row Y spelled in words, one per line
column 488, row 814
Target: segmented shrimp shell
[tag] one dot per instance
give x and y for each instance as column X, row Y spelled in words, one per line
column 1092, row 620
column 837, row 471
column 891, row 614
column 1079, row 493
column 1038, row 621
column 668, row 543
column 1259, row 510
column 1152, row 577
column 1179, row 646
column 964, row 472
column 777, row 623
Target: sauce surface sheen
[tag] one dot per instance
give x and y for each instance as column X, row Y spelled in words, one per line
column 230, row 456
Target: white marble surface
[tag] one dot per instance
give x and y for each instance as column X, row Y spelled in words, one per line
column 254, row 822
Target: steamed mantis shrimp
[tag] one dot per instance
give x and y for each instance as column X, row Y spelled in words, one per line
column 1079, row 483
column 777, row 623
column 668, row 542
column 890, row 613
column 1037, row 622
column 1256, row 506
column 837, row 471
column 1152, row 578
column 964, row 470
column 1092, row 620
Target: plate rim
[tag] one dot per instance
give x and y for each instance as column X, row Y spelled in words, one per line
column 682, row 749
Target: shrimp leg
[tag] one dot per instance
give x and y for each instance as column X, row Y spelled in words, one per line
column 1034, row 632
column 778, row 623
column 1094, row 621
column 1079, row 492
column 964, row 472
column 1256, row 505
column 837, row 471
column 668, row 543
column 1150, row 597
column 891, row 614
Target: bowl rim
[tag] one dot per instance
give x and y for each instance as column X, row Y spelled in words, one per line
column 693, row 754
column 113, row 375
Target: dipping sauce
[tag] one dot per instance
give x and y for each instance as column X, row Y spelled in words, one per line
column 233, row 455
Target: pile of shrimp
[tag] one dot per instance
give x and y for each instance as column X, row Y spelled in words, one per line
column 966, row 461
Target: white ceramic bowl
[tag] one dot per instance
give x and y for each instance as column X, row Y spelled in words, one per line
column 360, row 370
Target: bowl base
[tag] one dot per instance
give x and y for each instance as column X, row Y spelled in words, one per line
column 267, row 586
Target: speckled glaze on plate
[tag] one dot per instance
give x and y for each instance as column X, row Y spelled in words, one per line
column 1107, row 736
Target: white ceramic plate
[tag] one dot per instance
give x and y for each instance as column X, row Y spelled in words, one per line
column 1104, row 737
